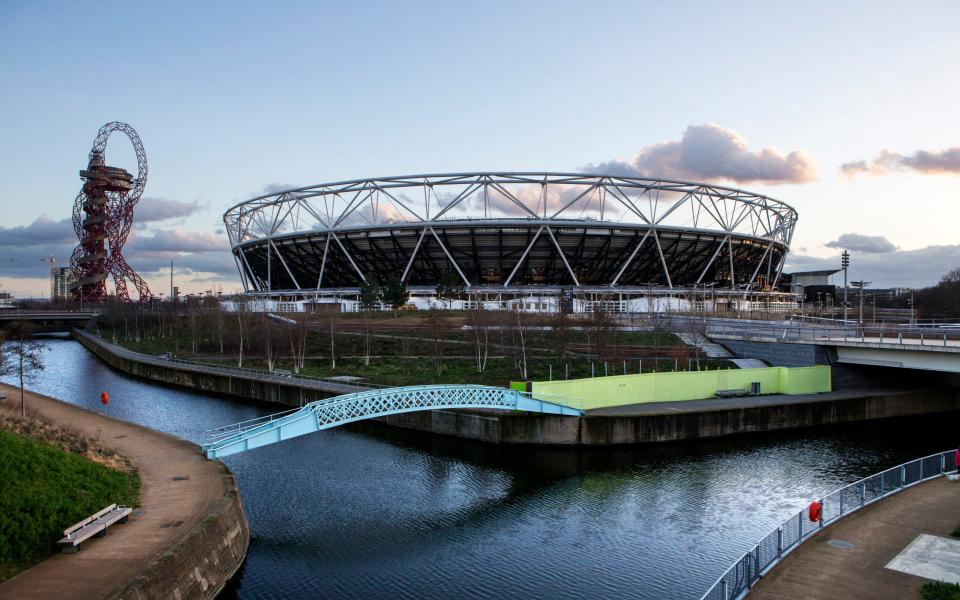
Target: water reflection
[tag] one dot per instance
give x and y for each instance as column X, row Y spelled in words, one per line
column 376, row 512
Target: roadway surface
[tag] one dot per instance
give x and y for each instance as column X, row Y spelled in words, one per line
column 105, row 565
column 878, row 533
column 712, row 404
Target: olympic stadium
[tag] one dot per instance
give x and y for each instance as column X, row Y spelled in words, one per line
column 511, row 234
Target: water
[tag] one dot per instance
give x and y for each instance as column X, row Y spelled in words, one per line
column 376, row 512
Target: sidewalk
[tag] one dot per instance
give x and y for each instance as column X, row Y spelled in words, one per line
column 105, row 566
column 818, row 570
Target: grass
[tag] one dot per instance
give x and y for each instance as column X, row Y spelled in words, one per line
column 956, row 532
column 404, row 356
column 937, row 590
column 46, row 487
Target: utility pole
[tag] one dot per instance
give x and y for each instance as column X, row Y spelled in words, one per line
column 860, row 284
column 845, row 263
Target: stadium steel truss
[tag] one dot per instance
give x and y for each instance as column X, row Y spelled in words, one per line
column 510, row 231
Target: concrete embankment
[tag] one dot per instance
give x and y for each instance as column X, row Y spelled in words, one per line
column 186, row 539
column 212, row 380
column 674, row 421
column 650, row 422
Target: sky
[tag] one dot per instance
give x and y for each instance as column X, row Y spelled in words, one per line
column 844, row 110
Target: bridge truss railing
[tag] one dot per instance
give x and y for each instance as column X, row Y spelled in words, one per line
column 736, row 582
column 340, row 410
column 851, row 332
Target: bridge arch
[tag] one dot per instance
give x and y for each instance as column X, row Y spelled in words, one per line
column 348, row 408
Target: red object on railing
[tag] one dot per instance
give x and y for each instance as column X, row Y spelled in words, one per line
column 815, row 511
column 104, row 398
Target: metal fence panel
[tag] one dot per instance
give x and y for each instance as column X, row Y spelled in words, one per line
column 746, row 571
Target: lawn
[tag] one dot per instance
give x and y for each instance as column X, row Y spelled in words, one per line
column 45, row 490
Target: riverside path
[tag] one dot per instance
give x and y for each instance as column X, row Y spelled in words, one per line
column 179, row 491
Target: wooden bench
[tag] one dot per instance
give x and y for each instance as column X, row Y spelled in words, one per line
column 731, row 393
column 93, row 526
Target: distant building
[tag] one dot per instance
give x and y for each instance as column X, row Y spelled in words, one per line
column 813, row 285
column 6, row 300
column 60, row 284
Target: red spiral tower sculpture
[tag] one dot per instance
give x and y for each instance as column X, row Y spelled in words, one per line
column 102, row 217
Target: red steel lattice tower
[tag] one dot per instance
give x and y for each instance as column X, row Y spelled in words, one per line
column 102, row 217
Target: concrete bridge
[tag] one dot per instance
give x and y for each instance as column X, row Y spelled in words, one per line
column 47, row 321
column 922, row 348
column 340, row 410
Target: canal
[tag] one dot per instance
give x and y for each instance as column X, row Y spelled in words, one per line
column 376, row 512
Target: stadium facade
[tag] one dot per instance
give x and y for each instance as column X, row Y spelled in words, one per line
column 511, row 236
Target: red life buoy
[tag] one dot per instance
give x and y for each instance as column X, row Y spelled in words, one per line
column 815, row 511
column 104, row 398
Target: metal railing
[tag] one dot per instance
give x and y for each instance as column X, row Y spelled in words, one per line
column 257, row 374
column 744, row 573
column 906, row 336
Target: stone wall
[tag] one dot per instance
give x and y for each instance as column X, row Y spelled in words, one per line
column 204, row 560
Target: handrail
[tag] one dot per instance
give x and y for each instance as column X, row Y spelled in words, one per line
column 736, row 582
column 205, row 367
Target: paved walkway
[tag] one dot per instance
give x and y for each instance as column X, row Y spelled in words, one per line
column 711, row 404
column 104, row 565
column 817, row 570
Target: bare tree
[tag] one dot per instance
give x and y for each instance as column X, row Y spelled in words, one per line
column 269, row 348
column 242, row 316
column 438, row 326
column 523, row 346
column 480, row 322
column 22, row 355
column 333, row 317
column 218, row 321
column 299, row 332
column 370, row 297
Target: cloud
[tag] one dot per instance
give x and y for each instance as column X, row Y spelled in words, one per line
column 926, row 162
column 152, row 209
column 908, row 268
column 42, row 231
column 275, row 188
column 708, row 152
column 856, row 242
column 176, row 240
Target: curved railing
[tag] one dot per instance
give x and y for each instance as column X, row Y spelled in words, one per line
column 739, row 578
column 340, row 410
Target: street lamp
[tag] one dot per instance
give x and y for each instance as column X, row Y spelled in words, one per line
column 860, row 284
column 845, row 264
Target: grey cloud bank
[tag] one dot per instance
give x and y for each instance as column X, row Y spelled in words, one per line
column 709, row 152
column 857, row 242
column 927, row 162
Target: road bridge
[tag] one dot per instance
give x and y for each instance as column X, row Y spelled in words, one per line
column 923, row 348
column 340, row 410
column 44, row 321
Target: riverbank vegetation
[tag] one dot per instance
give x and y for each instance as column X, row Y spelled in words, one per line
column 937, row 590
column 52, row 477
column 403, row 347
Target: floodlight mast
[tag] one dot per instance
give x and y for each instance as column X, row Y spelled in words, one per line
column 845, row 263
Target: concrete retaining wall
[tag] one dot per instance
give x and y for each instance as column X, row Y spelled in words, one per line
column 675, row 426
column 205, row 559
column 498, row 427
column 211, row 383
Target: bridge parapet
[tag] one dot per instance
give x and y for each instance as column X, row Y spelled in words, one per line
column 348, row 408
